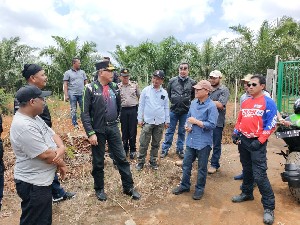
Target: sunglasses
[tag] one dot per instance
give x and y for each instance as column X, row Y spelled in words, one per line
column 183, row 68
column 253, row 84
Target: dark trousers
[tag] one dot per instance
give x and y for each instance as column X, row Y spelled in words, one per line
column 254, row 164
column 36, row 203
column 113, row 137
column 57, row 190
column 128, row 121
column 217, row 141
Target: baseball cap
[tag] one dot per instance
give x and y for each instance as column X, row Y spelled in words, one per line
column 203, row 84
column 105, row 65
column 124, row 72
column 247, row 78
column 28, row 92
column 215, row 73
column 159, row 73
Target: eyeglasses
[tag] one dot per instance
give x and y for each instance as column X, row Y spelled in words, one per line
column 183, row 68
column 253, row 84
column 199, row 89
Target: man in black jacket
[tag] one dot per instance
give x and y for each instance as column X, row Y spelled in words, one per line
column 35, row 75
column 181, row 93
column 100, row 118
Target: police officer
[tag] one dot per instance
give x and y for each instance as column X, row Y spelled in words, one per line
column 130, row 94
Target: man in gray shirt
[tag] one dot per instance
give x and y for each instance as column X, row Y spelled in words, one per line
column 39, row 152
column 220, row 96
column 74, row 81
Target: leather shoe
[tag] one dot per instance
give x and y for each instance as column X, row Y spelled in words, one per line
column 133, row 193
column 239, row 177
column 179, row 190
column 268, row 216
column 197, row 195
column 180, row 154
column 101, row 195
column 139, row 166
column 242, row 197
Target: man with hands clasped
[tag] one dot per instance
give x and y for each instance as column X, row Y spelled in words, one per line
column 201, row 120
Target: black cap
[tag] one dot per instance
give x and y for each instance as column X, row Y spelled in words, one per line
column 159, row 73
column 28, row 92
column 30, row 69
column 124, row 72
column 104, row 65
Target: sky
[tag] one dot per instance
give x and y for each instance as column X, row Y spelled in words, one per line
column 130, row 22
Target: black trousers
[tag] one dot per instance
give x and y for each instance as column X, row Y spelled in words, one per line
column 113, row 137
column 36, row 203
column 129, row 122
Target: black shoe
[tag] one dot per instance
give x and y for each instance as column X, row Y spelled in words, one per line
column 242, row 197
column 154, row 165
column 67, row 196
column 139, row 166
column 133, row 193
column 268, row 216
column 132, row 155
column 101, row 195
column 239, row 177
column 197, row 195
column 179, row 190
column 163, row 154
column 180, row 154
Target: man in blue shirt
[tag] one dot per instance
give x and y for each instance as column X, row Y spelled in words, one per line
column 201, row 120
column 153, row 116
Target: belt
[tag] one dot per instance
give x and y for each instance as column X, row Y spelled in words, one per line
column 112, row 122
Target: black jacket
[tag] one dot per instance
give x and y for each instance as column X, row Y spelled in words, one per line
column 94, row 107
column 181, row 93
column 45, row 115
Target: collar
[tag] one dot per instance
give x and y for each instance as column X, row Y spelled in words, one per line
column 160, row 88
column 203, row 103
column 183, row 78
column 221, row 86
column 74, row 69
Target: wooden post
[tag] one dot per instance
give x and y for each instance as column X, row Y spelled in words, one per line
column 269, row 79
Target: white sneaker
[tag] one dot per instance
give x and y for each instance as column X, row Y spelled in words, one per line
column 212, row 170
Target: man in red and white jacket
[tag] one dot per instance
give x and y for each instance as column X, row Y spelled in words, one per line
column 256, row 122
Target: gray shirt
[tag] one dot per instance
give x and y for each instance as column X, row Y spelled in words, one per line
column 29, row 138
column 75, row 80
column 220, row 94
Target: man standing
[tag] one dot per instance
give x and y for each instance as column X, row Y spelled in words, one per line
column 130, row 94
column 100, row 118
column 220, row 96
column 35, row 75
column 39, row 152
column 181, row 93
column 153, row 116
column 256, row 122
column 202, row 119
column 74, row 81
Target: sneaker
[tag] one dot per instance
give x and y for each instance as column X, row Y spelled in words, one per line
column 268, row 216
column 154, row 165
column 179, row 190
column 135, row 195
column 180, row 154
column 239, row 177
column 101, row 195
column 212, row 170
column 179, row 163
column 197, row 195
column 242, row 197
column 163, row 154
column 76, row 127
column 67, row 196
column 132, row 155
column 139, row 166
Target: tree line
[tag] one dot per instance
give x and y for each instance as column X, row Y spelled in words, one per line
column 251, row 52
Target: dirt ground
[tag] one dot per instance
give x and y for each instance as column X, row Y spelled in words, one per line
column 158, row 205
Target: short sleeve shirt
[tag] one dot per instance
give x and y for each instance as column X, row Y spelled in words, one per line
column 29, row 138
column 75, row 80
column 129, row 94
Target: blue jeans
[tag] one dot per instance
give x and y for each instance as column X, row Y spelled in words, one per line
column 217, row 140
column 73, row 102
column 254, row 164
column 174, row 118
column 57, row 190
column 190, row 156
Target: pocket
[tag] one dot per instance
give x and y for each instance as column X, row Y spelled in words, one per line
column 23, row 189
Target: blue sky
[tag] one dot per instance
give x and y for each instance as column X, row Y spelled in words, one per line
column 130, row 22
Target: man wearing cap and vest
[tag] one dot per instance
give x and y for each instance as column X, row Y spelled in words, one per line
column 74, row 81
column 181, row 93
column 38, row 154
column 220, row 96
column 153, row 117
column 130, row 94
column 100, row 118
column 35, row 75
column 201, row 120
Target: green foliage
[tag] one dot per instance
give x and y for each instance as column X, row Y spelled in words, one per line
column 5, row 99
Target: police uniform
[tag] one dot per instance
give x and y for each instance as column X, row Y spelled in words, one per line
column 129, row 101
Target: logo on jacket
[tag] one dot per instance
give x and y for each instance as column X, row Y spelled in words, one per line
column 252, row 112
